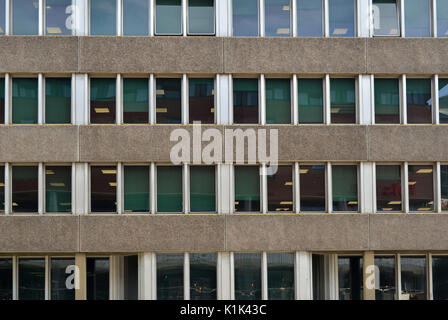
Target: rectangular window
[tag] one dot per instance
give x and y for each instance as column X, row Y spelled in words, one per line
column 135, row 17
column 312, row 188
column 309, row 18
column 135, row 100
column 201, row 17
column 419, row 103
column 2, row 100
column 59, row 290
column 342, row 18
column 25, row 17
column 168, row 17
column 58, row 189
column 245, row 18
column 278, row 101
column 103, row 17
column 387, row 101
column 443, row 100
column 388, row 188
column 2, row 17
column 202, row 189
column 350, row 278
column 386, row 288
column 5, row 279
column 24, row 100
column 168, row 100
column 203, row 277
column 343, row 100
column 97, row 278
column 103, row 186
column 280, row 276
column 345, row 188
column 280, row 190
column 58, row 100
column 247, row 189
column 385, row 18
column 24, row 189
column 278, row 18
column 169, row 189
column 413, row 278
column 442, row 18
column 31, row 279
column 311, row 101
column 102, row 100
column 439, row 277
column 2, row 190
column 136, row 189
column 417, row 18
column 58, row 17
column 130, row 277
column 202, row 100
column 444, row 186
column 170, row 276
column 245, row 101
column 421, row 188
column 247, row 276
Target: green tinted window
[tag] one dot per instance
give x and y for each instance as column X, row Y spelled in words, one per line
column 102, row 100
column 31, row 279
column 280, row 276
column 202, row 100
column 202, row 189
column 203, row 276
column 443, row 100
column 103, row 17
column 170, row 276
column 387, row 101
column 201, row 17
column 24, row 101
column 278, row 101
column 310, row 99
column 2, row 100
column 136, row 188
column 440, row 277
column 135, row 17
column 343, row 100
column 345, row 188
column 247, row 189
column 169, row 189
column 24, row 189
column 168, row 100
column 245, row 100
column 135, row 101
column 58, row 103
column 25, row 17
column 168, row 17
column 247, row 276
column 419, row 103
column 350, row 278
column 58, row 189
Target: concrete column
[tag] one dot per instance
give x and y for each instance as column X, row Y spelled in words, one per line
column 80, row 261
column 147, row 276
column 225, row 279
column 224, row 99
column 368, row 275
column 304, row 278
column 367, row 187
column 223, row 18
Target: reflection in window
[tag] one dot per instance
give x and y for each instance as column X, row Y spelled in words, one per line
column 170, row 276
column 31, row 279
column 444, row 186
column 58, row 17
column 443, row 100
column 417, row 18
column 2, row 100
column 280, row 276
column 439, row 277
column 420, row 188
column 2, row 17
column 442, row 18
column 278, row 101
column 102, row 100
column 103, row 188
column 168, row 100
column 136, row 188
column 311, row 102
column 387, row 101
column 130, row 278
column 201, row 17
column 318, row 273
column 388, row 188
column 312, row 188
column 103, row 17
column 25, row 17
column 247, row 189
column 386, row 288
column 280, row 197
column 413, row 278
column 5, row 279
column 135, row 100
column 343, row 100
column 169, row 189
column 202, row 100
column 202, row 189
column 350, row 278
column 169, row 17
column 58, row 103
column 342, row 18
column 97, row 278
column 24, row 100
column 345, row 188
column 385, row 18
column 58, row 189
column 247, row 276
column 203, row 276
column 59, row 290
column 2, row 190
column 278, row 18
column 245, row 18
column 419, row 103
column 24, row 189
column 135, row 17
column 245, row 100
column 310, row 18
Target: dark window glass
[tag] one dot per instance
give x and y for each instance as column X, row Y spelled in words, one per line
column 387, row 101
column 245, row 100
column 443, row 100
column 440, row 277
column 169, row 189
column 343, row 101
column 25, row 17
column 413, row 278
column 58, row 189
column 309, row 18
column 2, row 189
column 385, row 18
column 202, row 100
column 202, row 189
column 203, row 276
column 417, row 18
column 102, row 100
column 444, row 186
column 58, row 17
column 311, row 101
column 24, row 189
column 103, row 186
column 280, row 190
column 247, row 276
column 278, row 18
column 59, row 290
column 103, row 17
column 342, row 18
column 350, row 278
column 312, row 188
column 170, row 276
column 135, row 101
column 2, row 17
column 168, row 100
column 318, row 273
column 2, row 100
column 130, row 279
column 135, row 17
column 201, row 17
column 136, row 189
column 280, row 276
column 420, row 188
column 386, row 288
column 418, row 96
column 388, row 188
column 345, row 188
column 97, row 278
column 278, row 101
column 168, row 17
column 31, row 279
column 24, row 100
column 5, row 279
column 58, row 102
column 442, row 18
column 247, row 189
column 245, row 18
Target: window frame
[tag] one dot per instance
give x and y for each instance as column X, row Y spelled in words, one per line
column 187, row 3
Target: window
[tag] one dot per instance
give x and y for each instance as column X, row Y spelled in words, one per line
column 443, row 100
column 444, row 186
column 309, row 18
column 97, row 278
column 103, row 186
column 168, row 101
column 386, row 287
column 278, row 101
column 280, row 276
column 102, row 100
column 413, row 278
column 136, row 188
column 31, row 279
column 170, row 276
column 388, row 188
column 201, row 17
column 318, row 276
column 350, row 278
column 387, row 101
column 103, row 17
column 6, row 279
column 247, row 276
column 136, row 17
column 203, row 277
column 24, row 101
column 311, row 102
column 280, row 190
column 385, row 18
column 417, row 18
column 169, row 17
column 130, row 278
column 420, row 188
column 2, row 100
column 25, row 17
column 343, row 100
column 169, row 189
column 202, row 100
column 24, row 189
column 418, row 93
column 278, row 18
column 245, row 101
column 442, row 18
column 57, row 17
column 2, row 17
column 58, row 103
column 135, row 101
column 345, row 188
column 342, row 18
column 202, row 189
column 59, row 290
column 2, row 190
column 439, row 277
column 58, row 189
column 312, row 188
column 245, row 18
column 247, row 189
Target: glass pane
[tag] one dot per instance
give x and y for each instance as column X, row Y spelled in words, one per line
column 343, row 101
column 387, row 101
column 245, row 18
column 439, row 277
column 97, row 278
column 135, row 17
column 135, row 101
column 350, row 278
column 2, row 17
column 202, row 100
column 168, row 100
column 247, row 189
column 130, row 279
column 312, row 188
column 345, row 188
column 170, row 276
column 278, row 18
column 385, row 18
column 245, row 100
column 201, row 17
column 59, row 290
column 2, row 190
column 168, row 17
column 2, row 100
column 203, row 276
column 58, row 103
column 103, row 187
column 309, row 18
column 385, row 284
column 169, row 189
column 247, row 276
column 102, row 100
column 5, row 279
column 442, row 18
column 419, row 100
column 25, row 17
column 342, row 18
column 202, row 189
column 31, row 279
column 58, row 189
column 444, row 186
column 136, row 189
column 318, row 274
column 420, row 188
column 24, row 189
column 280, row 276
column 388, row 188
column 417, row 18
column 278, row 101
column 443, row 100
column 413, row 278
column 103, row 17
column 280, row 190
column 24, row 100
column 311, row 102
column 58, row 17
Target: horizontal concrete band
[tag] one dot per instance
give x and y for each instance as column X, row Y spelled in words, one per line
column 212, row 233
column 196, row 55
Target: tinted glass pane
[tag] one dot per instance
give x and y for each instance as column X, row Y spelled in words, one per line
column 350, row 278
column 245, row 100
column 278, row 101
column 203, row 276
column 202, row 100
column 310, row 99
column 201, row 17
column 103, row 17
column 170, row 277
column 443, row 100
column 420, row 188
column 413, row 278
column 342, row 18
column 58, row 17
column 59, row 290
column 444, row 186
column 130, row 281
column 6, row 279
column 386, row 289
column 24, row 189
column 312, row 188
column 440, row 277
column 309, row 18
column 103, row 186
column 417, row 18
column 102, row 100
column 135, row 101
column 318, row 273
column 385, row 18
column 343, row 101
column 58, row 103
column 24, row 100
column 168, row 16
column 202, row 189
column 280, row 190
column 280, row 276
column 278, row 18
column 418, row 93
column 135, row 17
column 2, row 189
column 245, row 18
column 136, row 188
column 97, row 278
column 247, row 276
column 58, row 189
column 168, row 100
column 2, row 17
column 169, row 189
column 2, row 100
column 25, row 17
column 388, row 188
column 31, row 279
column 442, row 18
column 345, row 188
column 387, row 101
column 247, row 189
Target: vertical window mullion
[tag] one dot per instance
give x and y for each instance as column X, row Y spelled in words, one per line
column 402, row 20
column 435, row 100
column 119, row 21
column 184, row 17
column 15, row 277
column 41, row 17
column 327, row 100
column 73, row 189
column 430, row 295
column 8, row 189
column 8, row 23
column 41, row 188
column 403, row 99
column 294, row 100
column 152, row 102
column 294, row 17
column 119, row 98
column 119, row 188
column 8, row 99
column 329, row 189
column 437, row 188
column 186, row 188
column 261, row 19
column 186, row 276
column 406, row 187
column 296, row 186
column 185, row 100
column 264, row 276
column 153, row 188
column 326, row 19
column 47, row 278
column 40, row 99
column 264, row 188
column 262, row 100
column 433, row 18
